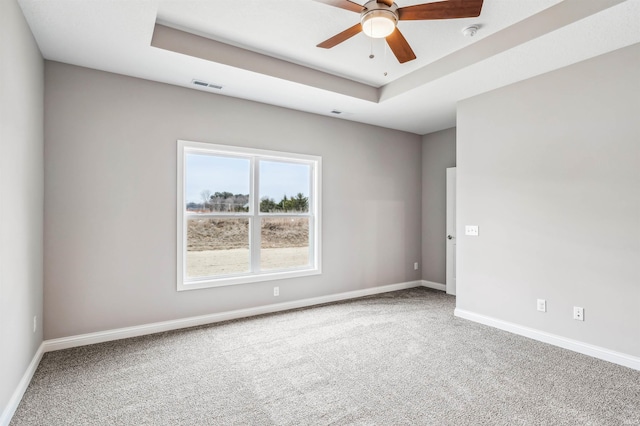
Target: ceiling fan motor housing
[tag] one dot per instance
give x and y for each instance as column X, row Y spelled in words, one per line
column 378, row 20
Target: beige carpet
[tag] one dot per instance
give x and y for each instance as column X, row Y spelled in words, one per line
column 399, row 358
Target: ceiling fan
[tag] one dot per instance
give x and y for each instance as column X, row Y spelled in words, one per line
column 378, row 19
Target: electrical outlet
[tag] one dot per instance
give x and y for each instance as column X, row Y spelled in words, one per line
column 415, row 266
column 542, row 305
column 35, row 323
column 276, row 291
column 471, row 230
column 578, row 313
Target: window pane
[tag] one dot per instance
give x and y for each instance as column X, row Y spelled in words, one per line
column 216, row 184
column 285, row 242
column 284, row 187
column 217, row 246
column 246, row 215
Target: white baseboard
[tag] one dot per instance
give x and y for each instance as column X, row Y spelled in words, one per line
column 553, row 339
column 123, row 333
column 11, row 407
column 158, row 327
column 436, row 286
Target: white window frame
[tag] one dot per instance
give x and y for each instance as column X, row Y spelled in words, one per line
column 254, row 215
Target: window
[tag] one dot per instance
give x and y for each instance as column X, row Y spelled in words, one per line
column 246, row 215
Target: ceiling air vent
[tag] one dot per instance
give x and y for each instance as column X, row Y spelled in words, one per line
column 205, row 84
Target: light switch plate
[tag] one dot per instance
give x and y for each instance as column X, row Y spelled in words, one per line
column 542, row 305
column 471, row 230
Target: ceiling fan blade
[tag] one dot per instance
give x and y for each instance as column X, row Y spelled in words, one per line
column 343, row 4
column 339, row 38
column 400, row 47
column 387, row 2
column 441, row 10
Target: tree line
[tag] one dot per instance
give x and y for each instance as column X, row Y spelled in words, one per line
column 229, row 202
column 297, row 204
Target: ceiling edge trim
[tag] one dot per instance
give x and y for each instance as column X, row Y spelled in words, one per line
column 185, row 43
column 544, row 22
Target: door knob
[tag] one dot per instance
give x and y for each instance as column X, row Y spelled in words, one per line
column 450, row 237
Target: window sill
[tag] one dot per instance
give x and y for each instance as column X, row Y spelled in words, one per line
column 245, row 279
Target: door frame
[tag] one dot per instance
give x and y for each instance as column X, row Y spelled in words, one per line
column 451, row 231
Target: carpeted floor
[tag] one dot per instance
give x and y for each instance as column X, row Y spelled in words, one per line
column 398, row 358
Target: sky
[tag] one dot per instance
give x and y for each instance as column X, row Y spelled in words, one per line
column 220, row 174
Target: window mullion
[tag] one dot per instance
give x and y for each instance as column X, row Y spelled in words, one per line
column 211, row 239
column 312, row 215
column 255, row 243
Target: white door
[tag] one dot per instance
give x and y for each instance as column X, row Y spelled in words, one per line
column 451, row 230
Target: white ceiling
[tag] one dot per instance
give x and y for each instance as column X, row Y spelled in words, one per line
column 517, row 39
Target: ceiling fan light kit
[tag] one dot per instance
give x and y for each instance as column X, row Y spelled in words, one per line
column 379, row 19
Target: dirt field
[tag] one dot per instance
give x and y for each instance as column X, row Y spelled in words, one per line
column 215, row 262
column 225, row 234
column 220, row 246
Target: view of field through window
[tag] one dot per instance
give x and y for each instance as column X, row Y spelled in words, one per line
column 219, row 215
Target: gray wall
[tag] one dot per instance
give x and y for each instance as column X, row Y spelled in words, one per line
column 549, row 169
column 21, row 197
column 110, row 194
column 438, row 153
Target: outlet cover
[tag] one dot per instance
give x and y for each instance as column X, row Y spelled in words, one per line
column 578, row 313
column 276, row 291
column 471, row 230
